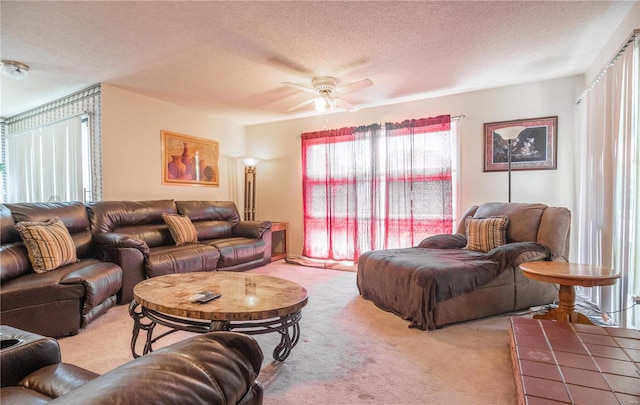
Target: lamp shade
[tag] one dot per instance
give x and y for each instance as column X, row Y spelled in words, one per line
column 507, row 133
column 249, row 160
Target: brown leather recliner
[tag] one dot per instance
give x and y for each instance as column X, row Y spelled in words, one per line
column 212, row 368
column 390, row 277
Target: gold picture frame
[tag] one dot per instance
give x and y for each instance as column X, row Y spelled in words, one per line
column 188, row 160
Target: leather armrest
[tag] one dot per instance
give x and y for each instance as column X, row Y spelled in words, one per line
column 57, row 379
column 131, row 254
column 212, row 368
column 251, row 229
column 32, row 353
column 529, row 256
column 101, row 280
column 112, row 239
column 133, row 262
column 444, row 241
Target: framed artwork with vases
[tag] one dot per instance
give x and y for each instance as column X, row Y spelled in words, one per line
column 188, row 160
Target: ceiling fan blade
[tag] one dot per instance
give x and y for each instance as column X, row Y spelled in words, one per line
column 348, row 88
column 299, row 87
column 295, row 107
column 346, row 105
column 284, row 62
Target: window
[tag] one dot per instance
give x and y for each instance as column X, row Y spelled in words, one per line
column 50, row 163
column 376, row 187
column 53, row 152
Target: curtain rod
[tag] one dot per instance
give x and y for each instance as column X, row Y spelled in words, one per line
column 612, row 62
column 453, row 117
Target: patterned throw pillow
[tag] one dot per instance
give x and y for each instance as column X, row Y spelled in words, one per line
column 484, row 234
column 181, row 228
column 49, row 244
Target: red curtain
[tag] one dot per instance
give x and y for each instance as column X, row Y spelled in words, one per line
column 374, row 187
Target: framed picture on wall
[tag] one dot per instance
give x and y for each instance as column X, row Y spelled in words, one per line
column 187, row 160
column 533, row 144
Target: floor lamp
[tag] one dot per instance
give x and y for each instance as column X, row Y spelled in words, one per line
column 510, row 134
column 249, row 186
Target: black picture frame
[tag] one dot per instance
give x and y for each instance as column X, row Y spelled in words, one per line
column 535, row 148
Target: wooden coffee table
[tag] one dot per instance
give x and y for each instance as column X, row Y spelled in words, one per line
column 250, row 303
column 568, row 275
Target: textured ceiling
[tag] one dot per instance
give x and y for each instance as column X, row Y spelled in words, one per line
column 230, row 58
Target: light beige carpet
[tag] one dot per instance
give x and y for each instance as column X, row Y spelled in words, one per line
column 350, row 351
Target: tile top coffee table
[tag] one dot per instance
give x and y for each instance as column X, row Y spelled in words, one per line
column 568, row 275
column 250, row 303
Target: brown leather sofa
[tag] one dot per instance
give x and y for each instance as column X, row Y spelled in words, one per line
column 134, row 235
column 61, row 301
column 119, row 243
column 212, row 368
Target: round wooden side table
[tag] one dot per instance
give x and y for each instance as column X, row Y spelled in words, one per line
column 568, row 275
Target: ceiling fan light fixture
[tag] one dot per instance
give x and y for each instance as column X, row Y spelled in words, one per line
column 14, row 70
column 326, row 91
column 321, row 104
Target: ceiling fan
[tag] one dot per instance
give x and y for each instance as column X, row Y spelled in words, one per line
column 327, row 92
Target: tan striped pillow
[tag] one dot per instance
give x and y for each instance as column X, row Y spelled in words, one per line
column 484, row 234
column 49, row 244
column 181, row 228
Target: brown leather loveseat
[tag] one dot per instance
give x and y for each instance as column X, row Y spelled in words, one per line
column 134, row 235
column 212, row 368
column 63, row 300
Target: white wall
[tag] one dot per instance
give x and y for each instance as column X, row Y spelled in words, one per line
column 279, row 177
column 131, row 147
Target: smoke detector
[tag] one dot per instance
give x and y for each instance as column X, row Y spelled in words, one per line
column 14, row 70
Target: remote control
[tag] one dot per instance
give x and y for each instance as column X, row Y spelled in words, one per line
column 204, row 296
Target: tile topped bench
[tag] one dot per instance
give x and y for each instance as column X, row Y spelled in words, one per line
column 563, row 363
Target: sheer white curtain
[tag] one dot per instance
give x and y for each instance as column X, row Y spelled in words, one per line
column 46, row 163
column 374, row 187
column 608, row 187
